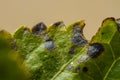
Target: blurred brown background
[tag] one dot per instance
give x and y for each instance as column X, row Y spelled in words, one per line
column 14, row 13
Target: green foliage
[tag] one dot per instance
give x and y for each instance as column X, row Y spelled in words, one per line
column 58, row 52
column 11, row 67
column 44, row 62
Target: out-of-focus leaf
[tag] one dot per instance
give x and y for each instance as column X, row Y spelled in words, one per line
column 11, row 67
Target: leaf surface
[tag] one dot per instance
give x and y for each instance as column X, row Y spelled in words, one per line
column 57, row 52
column 103, row 67
column 46, row 51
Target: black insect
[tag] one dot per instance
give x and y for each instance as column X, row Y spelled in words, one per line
column 118, row 22
column 39, row 28
column 94, row 50
column 49, row 44
column 78, row 39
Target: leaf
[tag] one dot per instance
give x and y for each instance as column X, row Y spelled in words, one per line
column 57, row 52
column 109, row 36
column 45, row 51
column 105, row 66
column 11, row 67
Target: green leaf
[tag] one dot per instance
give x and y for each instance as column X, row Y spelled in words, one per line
column 46, row 51
column 57, row 52
column 105, row 66
column 109, row 36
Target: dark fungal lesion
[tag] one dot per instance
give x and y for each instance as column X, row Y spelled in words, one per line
column 39, row 28
column 95, row 49
column 78, row 28
column 49, row 44
column 78, row 37
column 102, row 33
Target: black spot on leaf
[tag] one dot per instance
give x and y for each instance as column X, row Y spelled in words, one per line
column 94, row 50
column 78, row 39
column 39, row 28
column 77, row 28
column 102, row 33
column 49, row 39
column 49, row 44
column 85, row 69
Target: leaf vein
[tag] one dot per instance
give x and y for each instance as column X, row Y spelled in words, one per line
column 110, row 68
